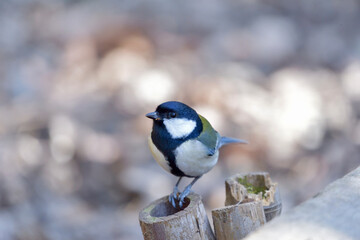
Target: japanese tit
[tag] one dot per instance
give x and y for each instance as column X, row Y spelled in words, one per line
column 184, row 144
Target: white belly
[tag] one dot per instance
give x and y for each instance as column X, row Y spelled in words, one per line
column 192, row 158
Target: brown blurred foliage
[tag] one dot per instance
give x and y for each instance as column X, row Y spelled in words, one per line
column 77, row 78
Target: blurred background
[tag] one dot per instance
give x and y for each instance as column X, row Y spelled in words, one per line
column 77, row 78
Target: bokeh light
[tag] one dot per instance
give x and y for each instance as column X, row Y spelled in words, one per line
column 77, row 78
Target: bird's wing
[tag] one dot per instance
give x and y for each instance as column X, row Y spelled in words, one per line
column 209, row 137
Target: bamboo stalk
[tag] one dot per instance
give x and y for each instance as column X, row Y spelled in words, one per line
column 257, row 186
column 161, row 221
column 237, row 221
column 332, row 214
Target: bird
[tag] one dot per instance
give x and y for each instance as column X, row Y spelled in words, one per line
column 184, row 144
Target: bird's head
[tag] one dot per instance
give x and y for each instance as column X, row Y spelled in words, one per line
column 177, row 118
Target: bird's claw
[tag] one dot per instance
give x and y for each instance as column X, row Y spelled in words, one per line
column 174, row 196
column 172, row 200
column 178, row 200
column 183, row 196
column 181, row 203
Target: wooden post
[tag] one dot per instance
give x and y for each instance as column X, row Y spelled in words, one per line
column 236, row 221
column 257, row 186
column 161, row 221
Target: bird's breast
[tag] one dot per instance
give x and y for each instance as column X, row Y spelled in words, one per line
column 192, row 158
column 158, row 156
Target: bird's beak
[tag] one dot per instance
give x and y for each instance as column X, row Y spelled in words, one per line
column 153, row 115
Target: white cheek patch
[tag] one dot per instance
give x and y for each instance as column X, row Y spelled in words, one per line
column 179, row 127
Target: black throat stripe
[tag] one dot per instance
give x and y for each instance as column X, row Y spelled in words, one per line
column 167, row 145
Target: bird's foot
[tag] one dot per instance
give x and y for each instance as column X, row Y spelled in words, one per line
column 183, row 196
column 174, row 196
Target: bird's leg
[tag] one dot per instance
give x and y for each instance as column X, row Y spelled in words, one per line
column 174, row 195
column 186, row 191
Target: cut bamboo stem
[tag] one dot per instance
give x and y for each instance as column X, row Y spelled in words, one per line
column 161, row 221
column 332, row 214
column 237, row 221
column 257, row 186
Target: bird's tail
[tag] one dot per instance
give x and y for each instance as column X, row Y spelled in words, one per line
column 227, row 140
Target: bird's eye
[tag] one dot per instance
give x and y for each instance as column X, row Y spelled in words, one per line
column 172, row 115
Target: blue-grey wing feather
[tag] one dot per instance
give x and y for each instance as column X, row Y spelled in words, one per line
column 220, row 141
column 226, row 140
